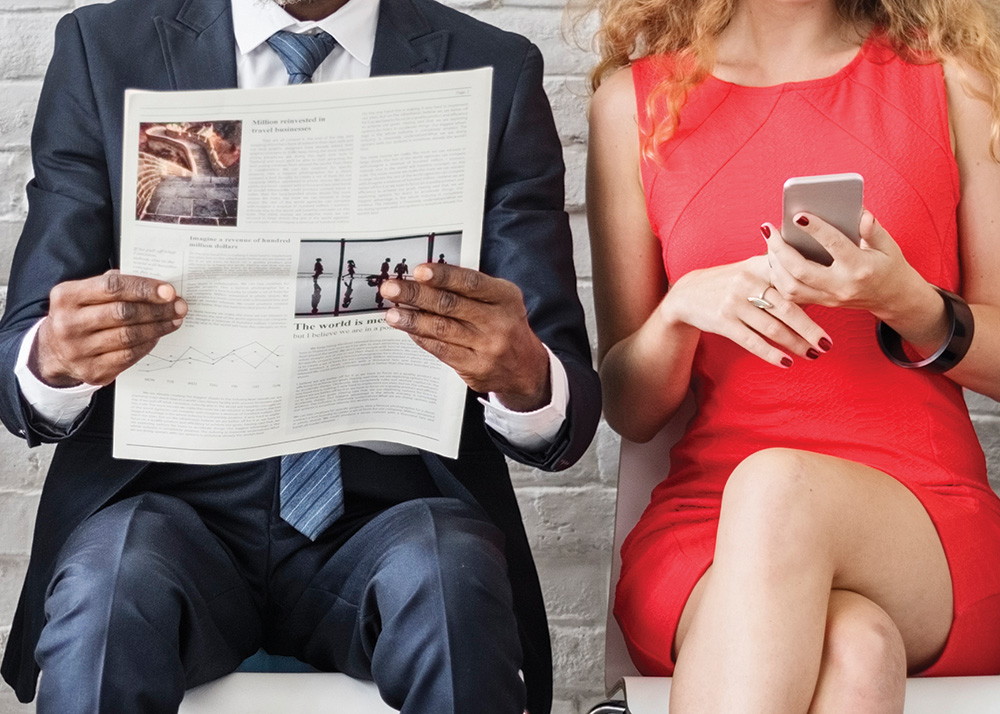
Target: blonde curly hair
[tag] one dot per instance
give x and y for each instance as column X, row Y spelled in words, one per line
column 918, row 30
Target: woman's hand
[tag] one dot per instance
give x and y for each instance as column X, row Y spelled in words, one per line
column 873, row 276
column 718, row 300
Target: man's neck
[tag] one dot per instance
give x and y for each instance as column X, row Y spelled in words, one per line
column 314, row 10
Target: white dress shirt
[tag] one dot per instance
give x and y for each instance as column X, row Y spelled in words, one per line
column 257, row 65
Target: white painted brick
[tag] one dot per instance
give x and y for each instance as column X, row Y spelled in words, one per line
column 575, row 156
column 544, row 27
column 469, row 4
column 17, row 522
column 9, row 233
column 586, row 291
column 568, row 521
column 29, row 5
column 10, row 705
column 559, row 706
column 575, row 589
column 15, row 171
column 581, row 244
column 17, row 112
column 577, row 658
column 608, row 445
column 547, row 4
column 23, row 469
column 988, row 430
column 979, row 404
column 12, row 569
column 569, row 98
column 26, row 41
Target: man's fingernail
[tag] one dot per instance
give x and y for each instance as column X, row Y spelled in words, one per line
column 180, row 308
column 802, row 221
column 423, row 272
column 390, row 288
column 177, row 322
column 165, row 291
column 392, row 316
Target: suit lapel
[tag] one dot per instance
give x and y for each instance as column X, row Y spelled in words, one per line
column 198, row 45
column 405, row 42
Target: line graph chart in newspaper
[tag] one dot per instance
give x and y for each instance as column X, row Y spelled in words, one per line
column 253, row 357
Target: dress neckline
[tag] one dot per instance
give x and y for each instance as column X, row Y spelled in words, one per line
column 834, row 78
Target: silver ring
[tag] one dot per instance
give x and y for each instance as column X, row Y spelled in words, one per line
column 760, row 301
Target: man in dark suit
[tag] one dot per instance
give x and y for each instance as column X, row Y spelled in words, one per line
column 147, row 579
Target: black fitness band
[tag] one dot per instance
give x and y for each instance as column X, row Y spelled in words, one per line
column 960, row 330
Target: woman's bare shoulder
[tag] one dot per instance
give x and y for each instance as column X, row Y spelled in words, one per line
column 614, row 100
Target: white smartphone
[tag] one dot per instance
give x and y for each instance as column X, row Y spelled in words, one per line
column 836, row 198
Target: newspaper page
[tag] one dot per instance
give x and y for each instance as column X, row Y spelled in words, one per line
column 277, row 214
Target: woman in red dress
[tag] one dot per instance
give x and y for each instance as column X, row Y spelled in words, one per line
column 826, row 526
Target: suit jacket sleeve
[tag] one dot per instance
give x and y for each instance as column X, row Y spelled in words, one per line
column 69, row 231
column 526, row 239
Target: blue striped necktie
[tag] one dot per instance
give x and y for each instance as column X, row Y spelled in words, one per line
column 301, row 54
column 312, row 495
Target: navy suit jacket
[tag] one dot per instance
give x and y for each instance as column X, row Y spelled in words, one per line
column 72, row 232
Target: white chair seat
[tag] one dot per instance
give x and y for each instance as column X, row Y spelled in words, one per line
column 271, row 693
column 934, row 695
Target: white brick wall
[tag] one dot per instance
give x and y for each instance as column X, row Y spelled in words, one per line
column 569, row 515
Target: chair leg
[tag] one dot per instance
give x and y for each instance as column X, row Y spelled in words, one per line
column 614, row 706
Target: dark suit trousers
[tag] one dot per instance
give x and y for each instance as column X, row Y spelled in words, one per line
column 191, row 571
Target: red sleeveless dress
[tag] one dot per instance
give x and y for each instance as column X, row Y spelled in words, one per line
column 720, row 176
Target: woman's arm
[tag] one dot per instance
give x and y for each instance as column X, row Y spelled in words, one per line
column 978, row 230
column 644, row 363
column 647, row 336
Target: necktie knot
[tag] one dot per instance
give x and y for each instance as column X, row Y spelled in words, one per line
column 301, row 54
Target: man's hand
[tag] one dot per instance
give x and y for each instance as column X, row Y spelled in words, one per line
column 98, row 327
column 477, row 325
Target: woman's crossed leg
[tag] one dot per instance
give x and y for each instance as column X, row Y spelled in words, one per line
column 829, row 582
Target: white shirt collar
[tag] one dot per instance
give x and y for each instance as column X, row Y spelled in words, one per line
column 353, row 25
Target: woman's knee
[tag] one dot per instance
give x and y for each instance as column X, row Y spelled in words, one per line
column 864, row 658
column 771, row 505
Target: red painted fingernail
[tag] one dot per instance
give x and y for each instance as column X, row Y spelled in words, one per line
column 812, row 354
column 825, row 344
column 786, row 361
column 802, row 221
column 766, row 231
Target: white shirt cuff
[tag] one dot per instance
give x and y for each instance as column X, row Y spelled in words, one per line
column 532, row 431
column 56, row 407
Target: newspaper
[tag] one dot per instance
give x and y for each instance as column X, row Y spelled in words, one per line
column 277, row 214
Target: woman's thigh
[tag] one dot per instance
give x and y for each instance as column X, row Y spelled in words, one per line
column 860, row 528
